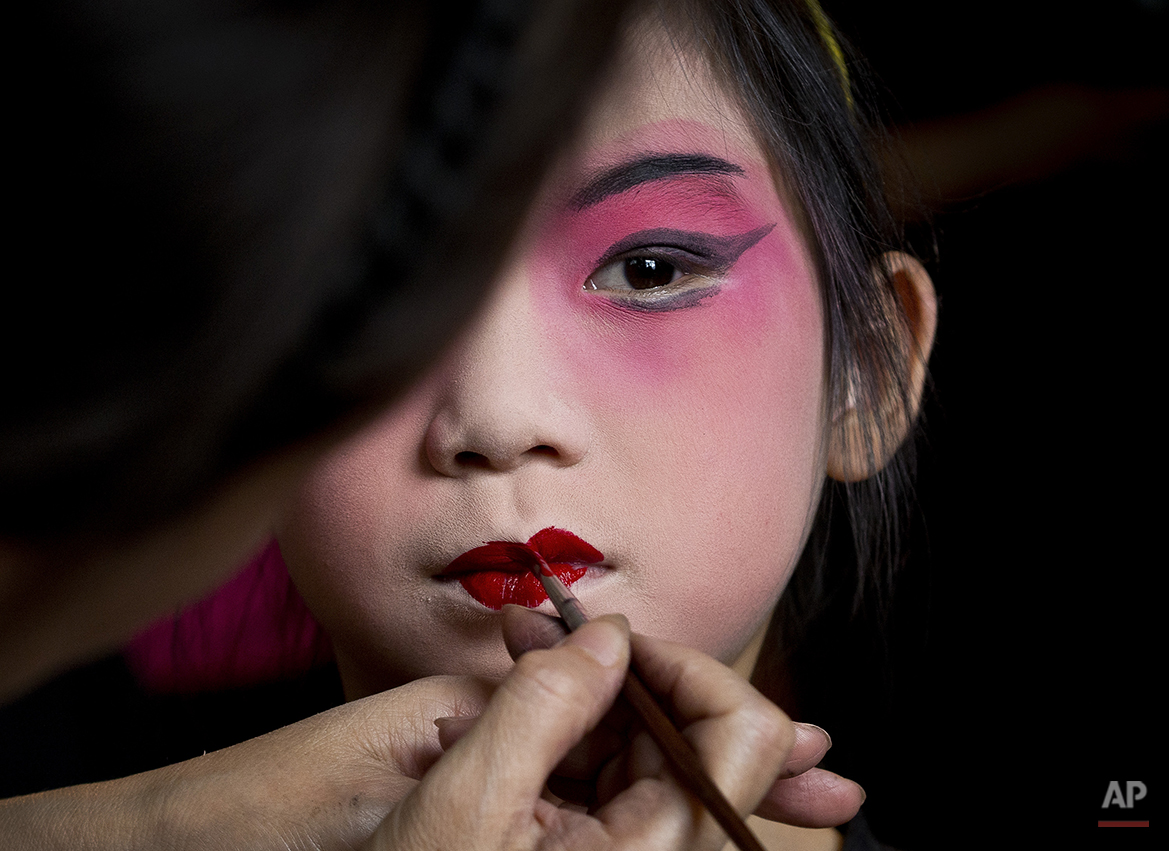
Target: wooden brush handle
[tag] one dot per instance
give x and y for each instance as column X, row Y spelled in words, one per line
column 687, row 766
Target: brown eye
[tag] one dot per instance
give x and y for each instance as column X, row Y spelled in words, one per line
column 643, row 273
column 648, row 272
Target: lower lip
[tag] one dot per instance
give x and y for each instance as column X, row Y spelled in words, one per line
column 496, row 588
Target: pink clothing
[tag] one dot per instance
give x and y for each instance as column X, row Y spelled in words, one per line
column 253, row 629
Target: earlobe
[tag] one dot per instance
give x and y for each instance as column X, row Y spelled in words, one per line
column 869, row 427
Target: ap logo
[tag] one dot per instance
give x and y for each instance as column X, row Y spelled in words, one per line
column 1124, row 804
column 1134, row 791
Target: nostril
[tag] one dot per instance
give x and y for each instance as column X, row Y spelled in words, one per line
column 472, row 459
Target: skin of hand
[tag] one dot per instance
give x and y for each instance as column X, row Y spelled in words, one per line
column 322, row 783
column 373, row 773
column 473, row 798
column 802, row 795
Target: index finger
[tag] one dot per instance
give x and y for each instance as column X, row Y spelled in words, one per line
column 490, row 783
column 700, row 688
column 727, row 721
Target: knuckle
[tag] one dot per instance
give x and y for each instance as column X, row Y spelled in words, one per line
column 540, row 678
column 772, row 731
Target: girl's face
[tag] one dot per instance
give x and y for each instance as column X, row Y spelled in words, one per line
column 648, row 374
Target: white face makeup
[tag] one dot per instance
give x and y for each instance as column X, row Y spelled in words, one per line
column 648, row 374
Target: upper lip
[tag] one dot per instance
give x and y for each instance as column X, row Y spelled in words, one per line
column 557, row 546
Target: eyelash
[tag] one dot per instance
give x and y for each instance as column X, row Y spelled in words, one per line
column 685, row 273
column 701, row 258
column 692, row 271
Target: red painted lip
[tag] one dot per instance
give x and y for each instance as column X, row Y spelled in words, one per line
column 500, row 572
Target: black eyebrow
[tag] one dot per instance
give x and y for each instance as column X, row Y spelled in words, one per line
column 623, row 177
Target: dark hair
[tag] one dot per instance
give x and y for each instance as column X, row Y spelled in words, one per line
column 804, row 94
column 243, row 221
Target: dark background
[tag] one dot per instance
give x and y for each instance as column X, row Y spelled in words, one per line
column 1022, row 658
column 1015, row 682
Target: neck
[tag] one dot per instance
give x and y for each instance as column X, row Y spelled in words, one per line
column 774, row 835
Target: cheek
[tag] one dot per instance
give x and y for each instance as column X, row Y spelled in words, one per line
column 716, row 413
column 343, row 540
column 332, row 537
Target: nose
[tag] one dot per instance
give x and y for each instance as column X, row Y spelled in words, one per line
column 503, row 399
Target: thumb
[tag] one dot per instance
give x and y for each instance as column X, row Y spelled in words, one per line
column 491, row 781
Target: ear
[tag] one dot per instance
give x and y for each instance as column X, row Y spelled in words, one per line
column 863, row 439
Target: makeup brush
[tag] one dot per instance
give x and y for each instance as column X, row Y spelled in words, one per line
column 687, row 766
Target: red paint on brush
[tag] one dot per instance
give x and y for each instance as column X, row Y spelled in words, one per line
column 501, row 572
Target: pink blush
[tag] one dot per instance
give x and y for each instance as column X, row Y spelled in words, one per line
column 765, row 290
column 572, row 244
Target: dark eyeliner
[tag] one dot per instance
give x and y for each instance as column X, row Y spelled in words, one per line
column 712, row 255
column 719, row 253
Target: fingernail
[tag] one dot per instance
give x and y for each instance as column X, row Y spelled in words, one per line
column 602, row 639
column 444, row 732
column 805, row 729
column 447, row 722
column 451, row 729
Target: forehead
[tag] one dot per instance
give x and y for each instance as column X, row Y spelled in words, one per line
column 660, row 96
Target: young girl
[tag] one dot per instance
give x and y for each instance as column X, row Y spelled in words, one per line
column 703, row 321
column 596, row 193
